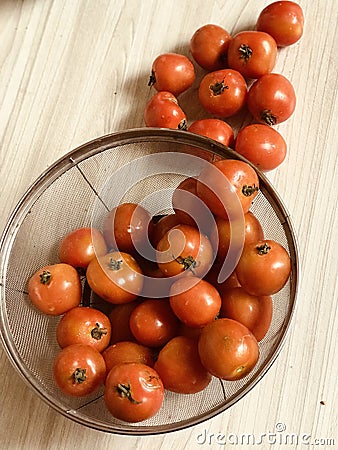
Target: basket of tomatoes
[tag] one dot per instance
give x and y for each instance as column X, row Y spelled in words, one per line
column 148, row 279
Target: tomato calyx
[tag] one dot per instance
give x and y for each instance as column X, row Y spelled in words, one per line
column 188, row 263
column 218, row 87
column 268, row 117
column 263, row 249
column 247, row 191
column 152, row 79
column 98, row 332
column 115, row 264
column 245, row 52
column 45, row 277
column 124, row 390
column 183, row 125
column 79, row 375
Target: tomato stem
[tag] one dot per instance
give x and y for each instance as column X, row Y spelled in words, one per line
column 79, row 375
column 124, row 390
column 268, row 117
column 189, row 263
column 183, row 125
column 263, row 249
column 115, row 264
column 98, row 332
column 45, row 277
column 152, row 79
column 247, row 191
column 218, row 87
column 245, row 52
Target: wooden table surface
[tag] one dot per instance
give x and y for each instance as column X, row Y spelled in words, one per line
column 71, row 71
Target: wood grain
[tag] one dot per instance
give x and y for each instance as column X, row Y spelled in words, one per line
column 72, row 71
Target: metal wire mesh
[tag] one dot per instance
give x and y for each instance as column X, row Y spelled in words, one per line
column 69, row 195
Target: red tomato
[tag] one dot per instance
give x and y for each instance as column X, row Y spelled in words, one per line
column 133, row 392
column 119, row 319
column 163, row 111
column 183, row 249
column 214, row 129
column 209, row 47
column 79, row 370
column 283, row 20
column 228, row 350
column 180, row 368
column 229, row 282
column 238, row 177
column 84, row 325
column 161, row 227
column 115, row 277
column 261, row 145
column 153, row 322
column 252, row 311
column 253, row 229
column 172, row 72
column 125, row 352
column 125, row 227
column 80, row 246
column 271, row 99
column 223, row 92
column 252, row 53
column 264, row 267
column 55, row 289
column 194, row 301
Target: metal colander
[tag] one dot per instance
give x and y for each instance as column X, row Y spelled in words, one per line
column 73, row 193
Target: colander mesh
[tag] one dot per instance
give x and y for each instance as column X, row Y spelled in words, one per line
column 75, row 198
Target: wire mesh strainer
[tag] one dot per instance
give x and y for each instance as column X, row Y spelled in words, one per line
column 70, row 194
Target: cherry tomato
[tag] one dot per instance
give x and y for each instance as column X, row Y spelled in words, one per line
column 212, row 277
column 271, row 99
column 126, row 227
column 262, row 145
column 153, row 322
column 215, row 129
column 80, row 246
column 133, row 392
column 163, row 111
column 283, row 20
column 253, row 228
column 119, row 319
column 79, row 370
column 228, row 350
column 209, row 47
column 55, row 289
column 180, row 368
column 252, row 311
column 252, row 53
column 183, row 249
column 125, row 352
column 161, row 227
column 243, row 181
column 264, row 267
column 194, row 301
column 223, row 92
column 115, row 277
column 84, row 325
column 172, row 72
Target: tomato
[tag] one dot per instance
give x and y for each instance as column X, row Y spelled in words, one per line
column 172, row 72
column 223, row 92
column 264, row 267
column 221, row 234
column 238, row 177
column 283, row 20
column 126, row 227
column 55, row 289
column 79, row 370
column 271, row 99
column 163, row 111
column 209, row 47
column 119, row 319
column 125, row 352
column 153, row 322
column 180, row 368
column 80, row 246
column 84, row 325
column 115, row 277
column 213, row 274
column 228, row 350
column 133, row 392
column 183, row 249
column 262, row 145
column 215, row 129
column 161, row 227
column 252, row 53
column 194, row 301
column 252, row 311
